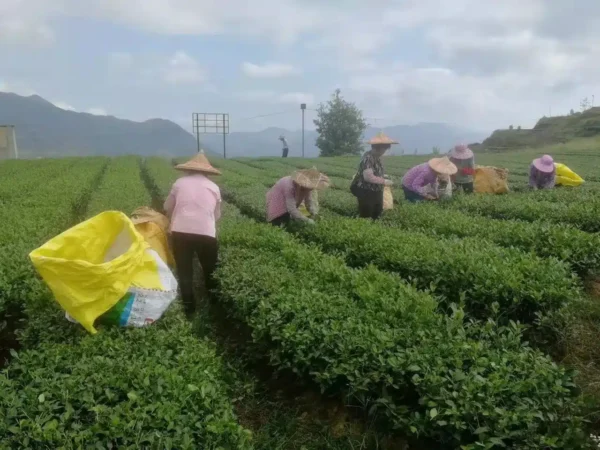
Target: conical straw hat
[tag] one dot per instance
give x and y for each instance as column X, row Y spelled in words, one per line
column 443, row 166
column 381, row 139
column 311, row 179
column 144, row 214
column 198, row 163
column 461, row 151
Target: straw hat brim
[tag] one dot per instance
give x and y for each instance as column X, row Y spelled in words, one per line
column 311, row 179
column 139, row 220
column 192, row 166
column 382, row 141
column 443, row 166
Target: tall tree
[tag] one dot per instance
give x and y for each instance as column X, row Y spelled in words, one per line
column 340, row 125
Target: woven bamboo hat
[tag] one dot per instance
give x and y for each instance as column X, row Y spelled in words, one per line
column 443, row 166
column 199, row 163
column 311, row 179
column 461, row 151
column 144, row 214
column 381, row 139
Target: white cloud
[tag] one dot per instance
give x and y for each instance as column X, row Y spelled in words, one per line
column 256, row 96
column 64, row 105
column 282, row 20
column 16, row 88
column 121, row 60
column 436, row 94
column 25, row 22
column 296, row 98
column 268, row 70
column 477, row 63
column 182, row 69
column 97, row 111
column 272, row 97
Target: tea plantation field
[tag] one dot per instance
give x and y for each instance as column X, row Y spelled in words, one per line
column 468, row 324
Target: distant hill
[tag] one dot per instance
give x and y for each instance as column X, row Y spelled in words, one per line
column 548, row 131
column 45, row 130
column 422, row 137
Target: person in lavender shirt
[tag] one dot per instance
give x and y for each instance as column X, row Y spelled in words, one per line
column 542, row 173
column 416, row 181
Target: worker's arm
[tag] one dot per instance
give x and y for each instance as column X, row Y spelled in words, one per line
column 170, row 202
column 290, row 203
column 419, row 185
column 312, row 204
column 218, row 209
column 370, row 177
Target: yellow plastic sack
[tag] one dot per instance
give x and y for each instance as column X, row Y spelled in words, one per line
column 91, row 266
column 490, row 180
column 388, row 198
column 566, row 177
column 154, row 227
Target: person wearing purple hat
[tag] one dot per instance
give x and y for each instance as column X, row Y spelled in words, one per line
column 464, row 159
column 542, row 173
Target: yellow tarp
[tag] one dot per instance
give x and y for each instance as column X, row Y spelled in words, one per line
column 566, row 177
column 490, row 180
column 92, row 265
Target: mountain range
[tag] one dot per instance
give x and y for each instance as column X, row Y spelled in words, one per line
column 45, row 130
column 422, row 138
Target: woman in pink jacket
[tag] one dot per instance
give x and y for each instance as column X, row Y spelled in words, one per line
column 194, row 206
column 286, row 196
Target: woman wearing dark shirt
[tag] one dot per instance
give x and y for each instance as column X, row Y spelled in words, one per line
column 369, row 181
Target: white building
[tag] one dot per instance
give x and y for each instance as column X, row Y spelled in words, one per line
column 8, row 142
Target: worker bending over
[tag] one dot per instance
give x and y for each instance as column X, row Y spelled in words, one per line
column 286, row 196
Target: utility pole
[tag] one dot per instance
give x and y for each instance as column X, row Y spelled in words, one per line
column 303, row 108
column 195, row 127
column 224, row 134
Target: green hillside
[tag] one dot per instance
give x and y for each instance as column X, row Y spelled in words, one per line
column 547, row 131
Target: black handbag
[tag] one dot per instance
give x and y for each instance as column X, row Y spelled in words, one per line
column 354, row 189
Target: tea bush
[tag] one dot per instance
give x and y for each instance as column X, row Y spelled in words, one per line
column 582, row 215
column 365, row 334
column 471, row 271
column 154, row 387
column 31, row 217
column 580, row 249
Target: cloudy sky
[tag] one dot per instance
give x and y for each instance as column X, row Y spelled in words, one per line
column 477, row 64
